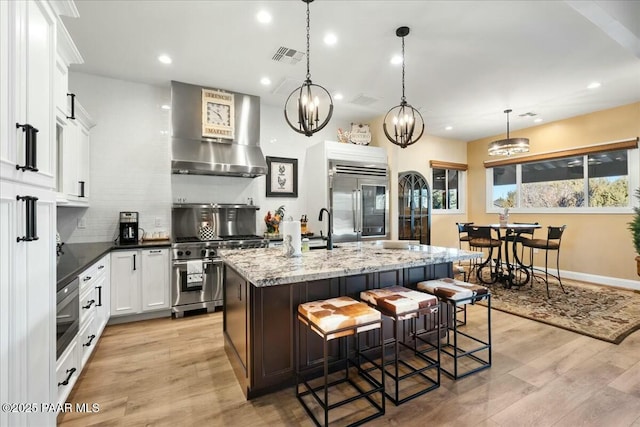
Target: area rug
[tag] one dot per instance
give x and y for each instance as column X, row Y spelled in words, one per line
column 601, row 312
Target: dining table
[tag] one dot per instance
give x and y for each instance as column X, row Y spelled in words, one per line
column 516, row 274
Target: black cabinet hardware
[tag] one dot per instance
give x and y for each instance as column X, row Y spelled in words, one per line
column 70, row 372
column 31, row 138
column 73, row 106
column 99, row 288
column 90, row 303
column 81, row 189
column 86, row 279
column 88, row 343
column 240, row 292
column 155, row 252
column 31, row 232
column 100, row 267
column 134, row 262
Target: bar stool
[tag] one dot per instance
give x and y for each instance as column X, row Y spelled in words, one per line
column 456, row 293
column 335, row 318
column 482, row 237
column 551, row 243
column 399, row 304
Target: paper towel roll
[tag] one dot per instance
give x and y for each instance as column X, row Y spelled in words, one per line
column 291, row 238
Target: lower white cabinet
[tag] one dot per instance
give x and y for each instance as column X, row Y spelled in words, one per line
column 67, row 371
column 139, row 281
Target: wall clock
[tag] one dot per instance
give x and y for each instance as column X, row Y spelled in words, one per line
column 217, row 114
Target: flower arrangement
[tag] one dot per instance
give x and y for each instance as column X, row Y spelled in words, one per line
column 273, row 221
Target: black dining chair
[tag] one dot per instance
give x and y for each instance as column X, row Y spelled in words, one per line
column 551, row 243
column 463, row 236
column 523, row 234
column 481, row 238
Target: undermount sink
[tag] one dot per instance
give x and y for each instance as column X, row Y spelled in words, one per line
column 322, row 247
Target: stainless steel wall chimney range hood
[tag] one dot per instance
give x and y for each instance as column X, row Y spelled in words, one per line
column 191, row 153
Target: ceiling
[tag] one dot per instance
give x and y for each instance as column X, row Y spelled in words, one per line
column 466, row 61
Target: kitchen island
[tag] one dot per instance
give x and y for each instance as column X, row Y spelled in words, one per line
column 262, row 290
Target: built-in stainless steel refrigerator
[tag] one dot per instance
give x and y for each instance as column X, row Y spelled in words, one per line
column 359, row 201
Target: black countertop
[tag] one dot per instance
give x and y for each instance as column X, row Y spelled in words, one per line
column 75, row 257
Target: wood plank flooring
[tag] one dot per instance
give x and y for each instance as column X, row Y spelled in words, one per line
column 175, row 372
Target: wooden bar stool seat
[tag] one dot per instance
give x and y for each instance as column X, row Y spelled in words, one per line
column 419, row 366
column 331, row 319
column 457, row 293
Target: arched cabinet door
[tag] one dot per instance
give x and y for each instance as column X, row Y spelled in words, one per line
column 414, row 207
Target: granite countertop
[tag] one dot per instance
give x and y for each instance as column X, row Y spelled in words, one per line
column 268, row 267
column 75, row 257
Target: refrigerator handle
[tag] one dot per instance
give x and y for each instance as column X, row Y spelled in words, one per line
column 359, row 207
column 354, row 208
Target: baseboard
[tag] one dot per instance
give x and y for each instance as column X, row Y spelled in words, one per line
column 115, row 320
column 594, row 278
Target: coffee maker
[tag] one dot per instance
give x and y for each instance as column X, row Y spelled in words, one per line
column 128, row 228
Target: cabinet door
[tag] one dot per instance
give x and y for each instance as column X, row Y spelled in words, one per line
column 83, row 163
column 236, row 303
column 125, row 286
column 155, row 279
column 103, row 286
column 69, row 163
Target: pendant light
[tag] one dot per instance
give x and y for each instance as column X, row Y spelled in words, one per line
column 309, row 102
column 403, row 119
column 509, row 146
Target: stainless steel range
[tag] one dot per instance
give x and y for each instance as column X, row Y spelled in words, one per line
column 199, row 230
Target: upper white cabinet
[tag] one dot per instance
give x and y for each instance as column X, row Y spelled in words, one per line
column 28, row 51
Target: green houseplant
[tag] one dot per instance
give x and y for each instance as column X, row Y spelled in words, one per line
column 634, row 226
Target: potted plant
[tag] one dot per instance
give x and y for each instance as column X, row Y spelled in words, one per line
column 634, row 226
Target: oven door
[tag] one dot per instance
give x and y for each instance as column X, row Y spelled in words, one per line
column 67, row 316
column 210, row 289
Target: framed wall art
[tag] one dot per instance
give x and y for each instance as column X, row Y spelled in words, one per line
column 282, row 177
column 217, row 114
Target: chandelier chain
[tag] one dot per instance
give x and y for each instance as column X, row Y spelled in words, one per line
column 403, row 97
column 308, row 43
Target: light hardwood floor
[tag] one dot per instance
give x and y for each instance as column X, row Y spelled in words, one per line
column 175, row 372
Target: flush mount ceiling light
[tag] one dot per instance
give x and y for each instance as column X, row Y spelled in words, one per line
column 403, row 119
column 309, row 102
column 509, row 146
column 165, row 59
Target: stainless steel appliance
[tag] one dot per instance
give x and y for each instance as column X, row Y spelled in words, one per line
column 359, row 201
column 128, row 228
column 191, row 153
column 199, row 231
column 67, row 315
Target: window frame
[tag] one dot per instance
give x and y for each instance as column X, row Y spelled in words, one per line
column 461, row 169
column 633, row 173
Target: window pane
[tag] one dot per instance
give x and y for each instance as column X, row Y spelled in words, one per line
column 439, row 188
column 553, row 183
column 608, row 179
column 504, row 186
column 452, row 176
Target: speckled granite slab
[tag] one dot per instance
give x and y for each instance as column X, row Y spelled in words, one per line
column 267, row 267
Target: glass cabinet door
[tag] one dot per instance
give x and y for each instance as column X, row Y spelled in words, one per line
column 414, row 208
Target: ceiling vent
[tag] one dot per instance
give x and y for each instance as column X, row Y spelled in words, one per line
column 529, row 114
column 364, row 100
column 287, row 56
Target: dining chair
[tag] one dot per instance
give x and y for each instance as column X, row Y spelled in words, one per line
column 523, row 233
column 463, row 236
column 481, row 238
column 551, row 243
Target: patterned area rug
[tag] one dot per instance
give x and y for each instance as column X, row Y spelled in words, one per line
column 606, row 313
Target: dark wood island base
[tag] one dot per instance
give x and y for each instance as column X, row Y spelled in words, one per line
column 259, row 336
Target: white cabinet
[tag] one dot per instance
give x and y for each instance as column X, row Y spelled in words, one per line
column 139, row 281
column 102, row 288
column 155, row 279
column 27, row 56
column 67, row 371
column 27, row 299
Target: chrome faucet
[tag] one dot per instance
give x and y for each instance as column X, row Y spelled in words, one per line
column 329, row 239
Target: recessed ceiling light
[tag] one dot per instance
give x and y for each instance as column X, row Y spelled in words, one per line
column 337, row 96
column 330, row 39
column 265, row 81
column 165, row 107
column 538, row 120
column 263, row 17
column 396, row 59
column 594, row 85
column 448, row 128
column 165, row 59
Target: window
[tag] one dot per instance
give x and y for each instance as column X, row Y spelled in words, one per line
column 595, row 181
column 447, row 185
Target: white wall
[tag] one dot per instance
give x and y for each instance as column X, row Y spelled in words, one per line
column 130, row 167
column 130, row 161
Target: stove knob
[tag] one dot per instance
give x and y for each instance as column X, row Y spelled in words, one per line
column 203, row 253
column 188, row 253
column 179, row 253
